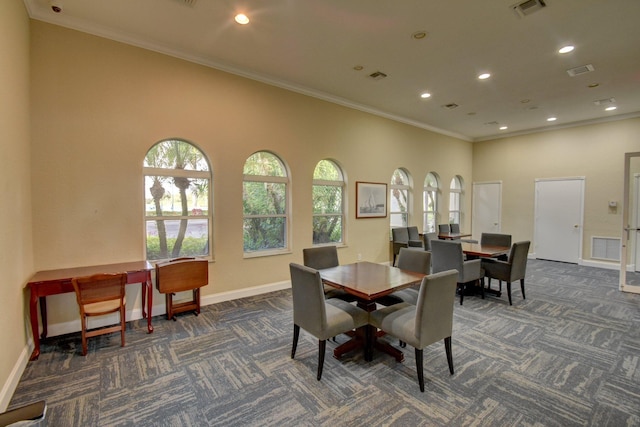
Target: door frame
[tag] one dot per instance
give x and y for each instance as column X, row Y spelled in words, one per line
column 626, row 226
column 582, row 179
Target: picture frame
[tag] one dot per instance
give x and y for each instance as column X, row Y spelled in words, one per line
column 371, row 200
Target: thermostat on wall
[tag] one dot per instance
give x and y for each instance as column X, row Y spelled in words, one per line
column 613, row 204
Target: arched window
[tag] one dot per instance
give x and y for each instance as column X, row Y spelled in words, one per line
column 430, row 202
column 265, row 203
column 455, row 200
column 328, row 203
column 178, row 213
column 400, row 191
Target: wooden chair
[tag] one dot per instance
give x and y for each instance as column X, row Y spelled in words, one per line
column 180, row 275
column 427, row 322
column 99, row 295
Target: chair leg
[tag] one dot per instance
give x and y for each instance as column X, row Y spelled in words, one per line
column 481, row 281
column 123, row 325
column 322, row 345
column 84, row 336
column 296, row 334
column 522, row 288
column 509, row 292
column 461, row 289
column 419, row 369
column 447, row 349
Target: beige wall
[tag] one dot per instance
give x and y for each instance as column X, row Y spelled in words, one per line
column 595, row 152
column 16, row 260
column 99, row 105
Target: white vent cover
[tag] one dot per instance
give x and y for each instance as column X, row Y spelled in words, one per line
column 607, row 101
column 606, row 248
column 187, row 2
column 580, row 70
column 528, row 7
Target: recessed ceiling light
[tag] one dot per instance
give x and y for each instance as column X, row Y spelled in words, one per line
column 242, row 19
column 525, row 101
column 503, row 128
column 552, row 119
column 484, row 76
column 613, row 107
column 566, row 49
column 425, row 95
column 358, row 68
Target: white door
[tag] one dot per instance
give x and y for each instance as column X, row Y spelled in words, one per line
column 486, row 208
column 635, row 226
column 559, row 206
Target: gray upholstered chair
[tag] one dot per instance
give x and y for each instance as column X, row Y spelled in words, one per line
column 427, row 238
column 444, row 228
column 447, row 255
column 496, row 239
column 410, row 260
column 400, row 239
column 511, row 270
column 321, row 318
column 427, row 322
column 455, row 229
column 325, row 257
column 414, row 234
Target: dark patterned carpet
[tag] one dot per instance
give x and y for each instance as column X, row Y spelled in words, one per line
column 568, row 355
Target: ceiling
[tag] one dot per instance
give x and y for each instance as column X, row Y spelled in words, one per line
column 314, row 46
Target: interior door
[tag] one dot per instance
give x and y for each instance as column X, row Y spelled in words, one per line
column 630, row 234
column 486, row 208
column 559, row 207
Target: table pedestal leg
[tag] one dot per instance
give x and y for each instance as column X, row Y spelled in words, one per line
column 33, row 315
column 149, row 291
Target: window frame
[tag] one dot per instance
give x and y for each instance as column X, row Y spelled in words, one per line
column 435, row 192
column 342, row 184
column 286, row 180
column 154, row 171
column 407, row 188
column 456, row 191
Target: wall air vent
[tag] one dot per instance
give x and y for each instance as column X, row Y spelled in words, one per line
column 580, row 70
column 528, row 7
column 378, row 75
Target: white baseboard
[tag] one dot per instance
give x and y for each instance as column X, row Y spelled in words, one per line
column 14, row 377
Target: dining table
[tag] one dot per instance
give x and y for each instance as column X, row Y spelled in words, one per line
column 452, row 236
column 478, row 250
column 368, row 282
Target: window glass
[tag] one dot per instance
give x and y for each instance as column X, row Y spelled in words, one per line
column 455, row 196
column 264, row 201
column 328, row 203
column 399, row 198
column 430, row 202
column 178, row 216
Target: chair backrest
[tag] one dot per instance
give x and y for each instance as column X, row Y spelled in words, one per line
column 427, row 238
column 320, row 257
column 495, row 239
column 414, row 260
column 309, row 310
column 99, row 287
column 413, row 233
column 446, row 255
column 455, row 228
column 182, row 275
column 400, row 234
column 518, row 260
column 444, row 228
column 434, row 310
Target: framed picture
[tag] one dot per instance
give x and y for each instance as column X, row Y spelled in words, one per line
column 371, row 200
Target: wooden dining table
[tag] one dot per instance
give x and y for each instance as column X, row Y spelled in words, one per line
column 368, row 282
column 478, row 250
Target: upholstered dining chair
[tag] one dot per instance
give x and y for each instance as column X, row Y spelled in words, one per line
column 444, row 228
column 455, row 228
column 447, row 255
column 429, row 321
column 99, row 295
column 496, row 239
column 325, row 257
column 410, row 260
column 400, row 239
column 513, row 269
column 427, row 238
column 320, row 317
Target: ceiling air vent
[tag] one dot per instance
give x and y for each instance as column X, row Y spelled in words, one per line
column 187, row 2
column 580, row 70
column 450, row 106
column 528, row 7
column 378, row 75
column 607, row 101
